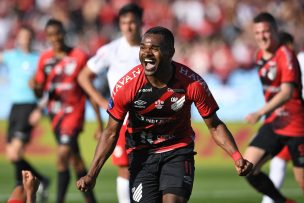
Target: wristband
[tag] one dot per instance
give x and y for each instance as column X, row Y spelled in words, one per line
column 236, row 156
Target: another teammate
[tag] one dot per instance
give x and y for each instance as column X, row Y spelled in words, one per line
column 278, row 163
column 160, row 141
column 21, row 63
column 284, row 110
column 118, row 57
column 57, row 73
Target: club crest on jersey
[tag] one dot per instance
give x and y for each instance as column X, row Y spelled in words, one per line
column 178, row 104
column 70, row 67
column 111, row 104
column 272, row 72
column 159, row 104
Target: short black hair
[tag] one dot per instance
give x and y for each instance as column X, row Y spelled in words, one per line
column 131, row 8
column 266, row 17
column 55, row 22
column 285, row 38
column 166, row 33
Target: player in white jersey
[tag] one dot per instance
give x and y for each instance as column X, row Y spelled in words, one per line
column 118, row 57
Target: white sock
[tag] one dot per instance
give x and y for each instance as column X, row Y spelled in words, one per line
column 122, row 189
column 276, row 174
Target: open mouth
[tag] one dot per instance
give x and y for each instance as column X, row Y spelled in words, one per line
column 150, row 64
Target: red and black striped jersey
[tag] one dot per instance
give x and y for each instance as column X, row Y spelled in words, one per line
column 59, row 79
column 283, row 67
column 160, row 118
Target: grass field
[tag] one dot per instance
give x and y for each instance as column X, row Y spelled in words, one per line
column 215, row 180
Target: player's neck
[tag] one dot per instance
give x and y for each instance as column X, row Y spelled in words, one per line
column 161, row 78
column 62, row 52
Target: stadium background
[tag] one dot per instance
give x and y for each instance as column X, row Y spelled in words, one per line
column 212, row 36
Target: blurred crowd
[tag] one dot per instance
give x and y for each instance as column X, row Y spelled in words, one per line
column 212, row 36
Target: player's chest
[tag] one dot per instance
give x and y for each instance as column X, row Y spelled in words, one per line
column 269, row 72
column 61, row 68
column 159, row 101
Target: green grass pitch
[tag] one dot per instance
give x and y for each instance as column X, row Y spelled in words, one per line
column 215, row 178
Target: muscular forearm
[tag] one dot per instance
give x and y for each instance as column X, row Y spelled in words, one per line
column 30, row 198
column 104, row 149
column 224, row 138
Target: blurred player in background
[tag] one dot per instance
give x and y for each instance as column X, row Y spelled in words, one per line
column 118, row 57
column 21, row 63
column 280, row 75
column 160, row 140
column 278, row 163
column 57, row 73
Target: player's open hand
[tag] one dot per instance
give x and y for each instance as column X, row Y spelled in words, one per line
column 243, row 167
column 85, row 183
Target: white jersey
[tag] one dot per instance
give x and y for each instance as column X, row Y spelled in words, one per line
column 118, row 57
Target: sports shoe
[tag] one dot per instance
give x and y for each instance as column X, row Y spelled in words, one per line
column 42, row 192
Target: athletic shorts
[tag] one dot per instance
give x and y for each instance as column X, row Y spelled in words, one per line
column 273, row 143
column 119, row 155
column 153, row 175
column 18, row 126
column 284, row 154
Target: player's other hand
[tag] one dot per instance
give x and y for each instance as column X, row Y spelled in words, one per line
column 85, row 183
column 30, row 182
column 253, row 118
column 243, row 167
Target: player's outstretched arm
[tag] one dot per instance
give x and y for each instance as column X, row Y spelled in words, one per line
column 104, row 149
column 223, row 138
column 85, row 79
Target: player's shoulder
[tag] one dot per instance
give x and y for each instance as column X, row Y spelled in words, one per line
column 186, row 74
column 284, row 51
column 127, row 81
column 47, row 53
column 111, row 46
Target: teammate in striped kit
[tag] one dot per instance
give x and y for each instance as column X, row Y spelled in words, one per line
column 280, row 75
column 160, row 140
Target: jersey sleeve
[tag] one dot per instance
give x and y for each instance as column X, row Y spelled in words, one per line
column 204, row 101
column 100, row 60
column 118, row 105
column 287, row 63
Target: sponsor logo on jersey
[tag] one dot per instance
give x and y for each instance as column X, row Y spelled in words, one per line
column 159, row 104
column 178, row 104
column 137, row 193
column 111, row 104
column 140, row 104
column 127, row 78
column 195, row 77
column 146, row 90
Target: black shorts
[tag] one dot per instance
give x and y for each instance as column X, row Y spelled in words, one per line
column 18, row 126
column 153, row 175
column 68, row 139
column 273, row 143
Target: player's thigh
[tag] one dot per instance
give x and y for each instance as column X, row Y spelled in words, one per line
column 144, row 178
column 177, row 177
column 172, row 198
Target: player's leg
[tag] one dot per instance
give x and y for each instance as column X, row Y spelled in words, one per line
column 296, row 149
column 277, row 171
column 63, row 172
column 80, row 169
column 19, row 132
column 264, row 145
column 177, row 175
column 144, row 177
column 120, row 159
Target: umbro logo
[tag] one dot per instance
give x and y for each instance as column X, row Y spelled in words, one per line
column 137, row 193
column 140, row 104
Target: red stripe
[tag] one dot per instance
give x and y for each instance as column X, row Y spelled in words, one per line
column 165, row 96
